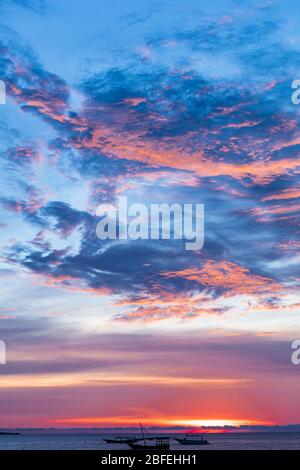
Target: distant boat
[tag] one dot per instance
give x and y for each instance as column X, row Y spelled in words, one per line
column 120, row 440
column 7, row 433
column 192, row 439
column 160, row 442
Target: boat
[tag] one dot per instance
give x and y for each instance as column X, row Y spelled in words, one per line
column 120, row 440
column 7, row 433
column 192, row 439
column 161, row 442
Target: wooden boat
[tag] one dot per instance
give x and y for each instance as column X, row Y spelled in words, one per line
column 160, row 442
column 192, row 439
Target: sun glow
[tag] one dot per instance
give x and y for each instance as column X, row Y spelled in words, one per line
column 132, row 421
column 199, row 423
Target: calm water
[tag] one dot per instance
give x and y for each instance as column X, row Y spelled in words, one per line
column 261, row 441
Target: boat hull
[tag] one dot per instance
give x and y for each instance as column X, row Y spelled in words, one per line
column 135, row 446
column 119, row 441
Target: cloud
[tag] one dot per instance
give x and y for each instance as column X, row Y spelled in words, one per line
column 159, row 128
column 38, row 6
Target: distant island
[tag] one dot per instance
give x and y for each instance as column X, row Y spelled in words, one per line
column 7, row 433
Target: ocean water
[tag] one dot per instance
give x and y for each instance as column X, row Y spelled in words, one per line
column 249, row 441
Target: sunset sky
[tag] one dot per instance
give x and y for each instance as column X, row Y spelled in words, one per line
column 164, row 101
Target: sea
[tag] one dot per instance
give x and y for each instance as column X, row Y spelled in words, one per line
column 234, row 441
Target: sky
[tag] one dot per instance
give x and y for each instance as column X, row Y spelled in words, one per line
column 161, row 102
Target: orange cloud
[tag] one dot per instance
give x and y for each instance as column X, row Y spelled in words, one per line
column 227, row 275
column 285, row 194
column 135, row 148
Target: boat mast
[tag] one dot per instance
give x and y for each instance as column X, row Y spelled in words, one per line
column 142, row 431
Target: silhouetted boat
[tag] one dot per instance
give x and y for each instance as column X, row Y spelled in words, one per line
column 192, row 439
column 160, row 442
column 120, row 440
column 7, row 433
